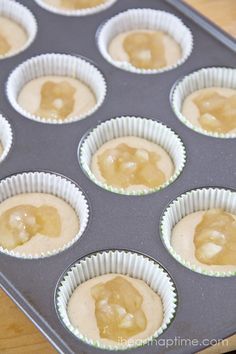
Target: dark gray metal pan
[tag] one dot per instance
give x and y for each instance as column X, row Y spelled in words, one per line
column 206, row 304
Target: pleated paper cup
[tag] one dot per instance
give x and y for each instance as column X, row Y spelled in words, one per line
column 42, row 182
column 128, row 263
column 148, row 129
column 191, row 202
column 22, row 16
column 202, row 79
column 81, row 12
column 145, row 19
column 6, row 137
column 55, row 65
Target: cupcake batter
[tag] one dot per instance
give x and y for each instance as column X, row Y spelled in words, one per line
column 36, row 223
column 203, row 238
column 1, row 149
column 145, row 49
column 56, row 97
column 132, row 163
column 13, row 37
column 75, row 4
column 212, row 109
column 139, row 309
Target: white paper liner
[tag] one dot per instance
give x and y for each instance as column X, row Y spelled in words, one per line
column 61, row 65
column 190, row 202
column 148, row 19
column 6, row 137
column 144, row 128
column 121, row 262
column 82, row 12
column 24, row 17
column 42, row 182
column 201, row 79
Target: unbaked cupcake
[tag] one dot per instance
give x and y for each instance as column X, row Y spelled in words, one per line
column 56, row 88
column 206, row 101
column 132, row 163
column 42, row 215
column 75, row 7
column 117, row 308
column 18, row 28
column 145, row 49
column 199, row 229
column 145, row 41
column 130, row 155
column 5, row 138
column 125, row 306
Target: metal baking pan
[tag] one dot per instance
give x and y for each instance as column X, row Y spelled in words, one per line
column 206, row 304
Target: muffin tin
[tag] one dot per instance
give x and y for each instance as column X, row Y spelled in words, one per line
column 206, row 304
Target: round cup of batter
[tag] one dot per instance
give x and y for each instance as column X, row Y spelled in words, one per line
column 132, row 155
column 41, row 214
column 56, row 88
column 75, row 7
column 198, row 229
column 145, row 41
column 18, row 28
column 75, row 301
column 205, row 101
column 6, row 138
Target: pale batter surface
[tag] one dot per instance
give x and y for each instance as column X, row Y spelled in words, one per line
column 1, row 149
column 40, row 243
column 172, row 50
column 75, row 4
column 190, row 110
column 165, row 163
column 182, row 241
column 82, row 98
column 81, row 306
column 12, row 37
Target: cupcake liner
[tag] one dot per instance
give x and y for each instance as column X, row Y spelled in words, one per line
column 82, row 12
column 203, row 78
column 148, row 19
column 55, row 64
column 42, row 182
column 122, row 262
column 6, row 137
column 132, row 126
column 190, row 202
column 24, row 17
